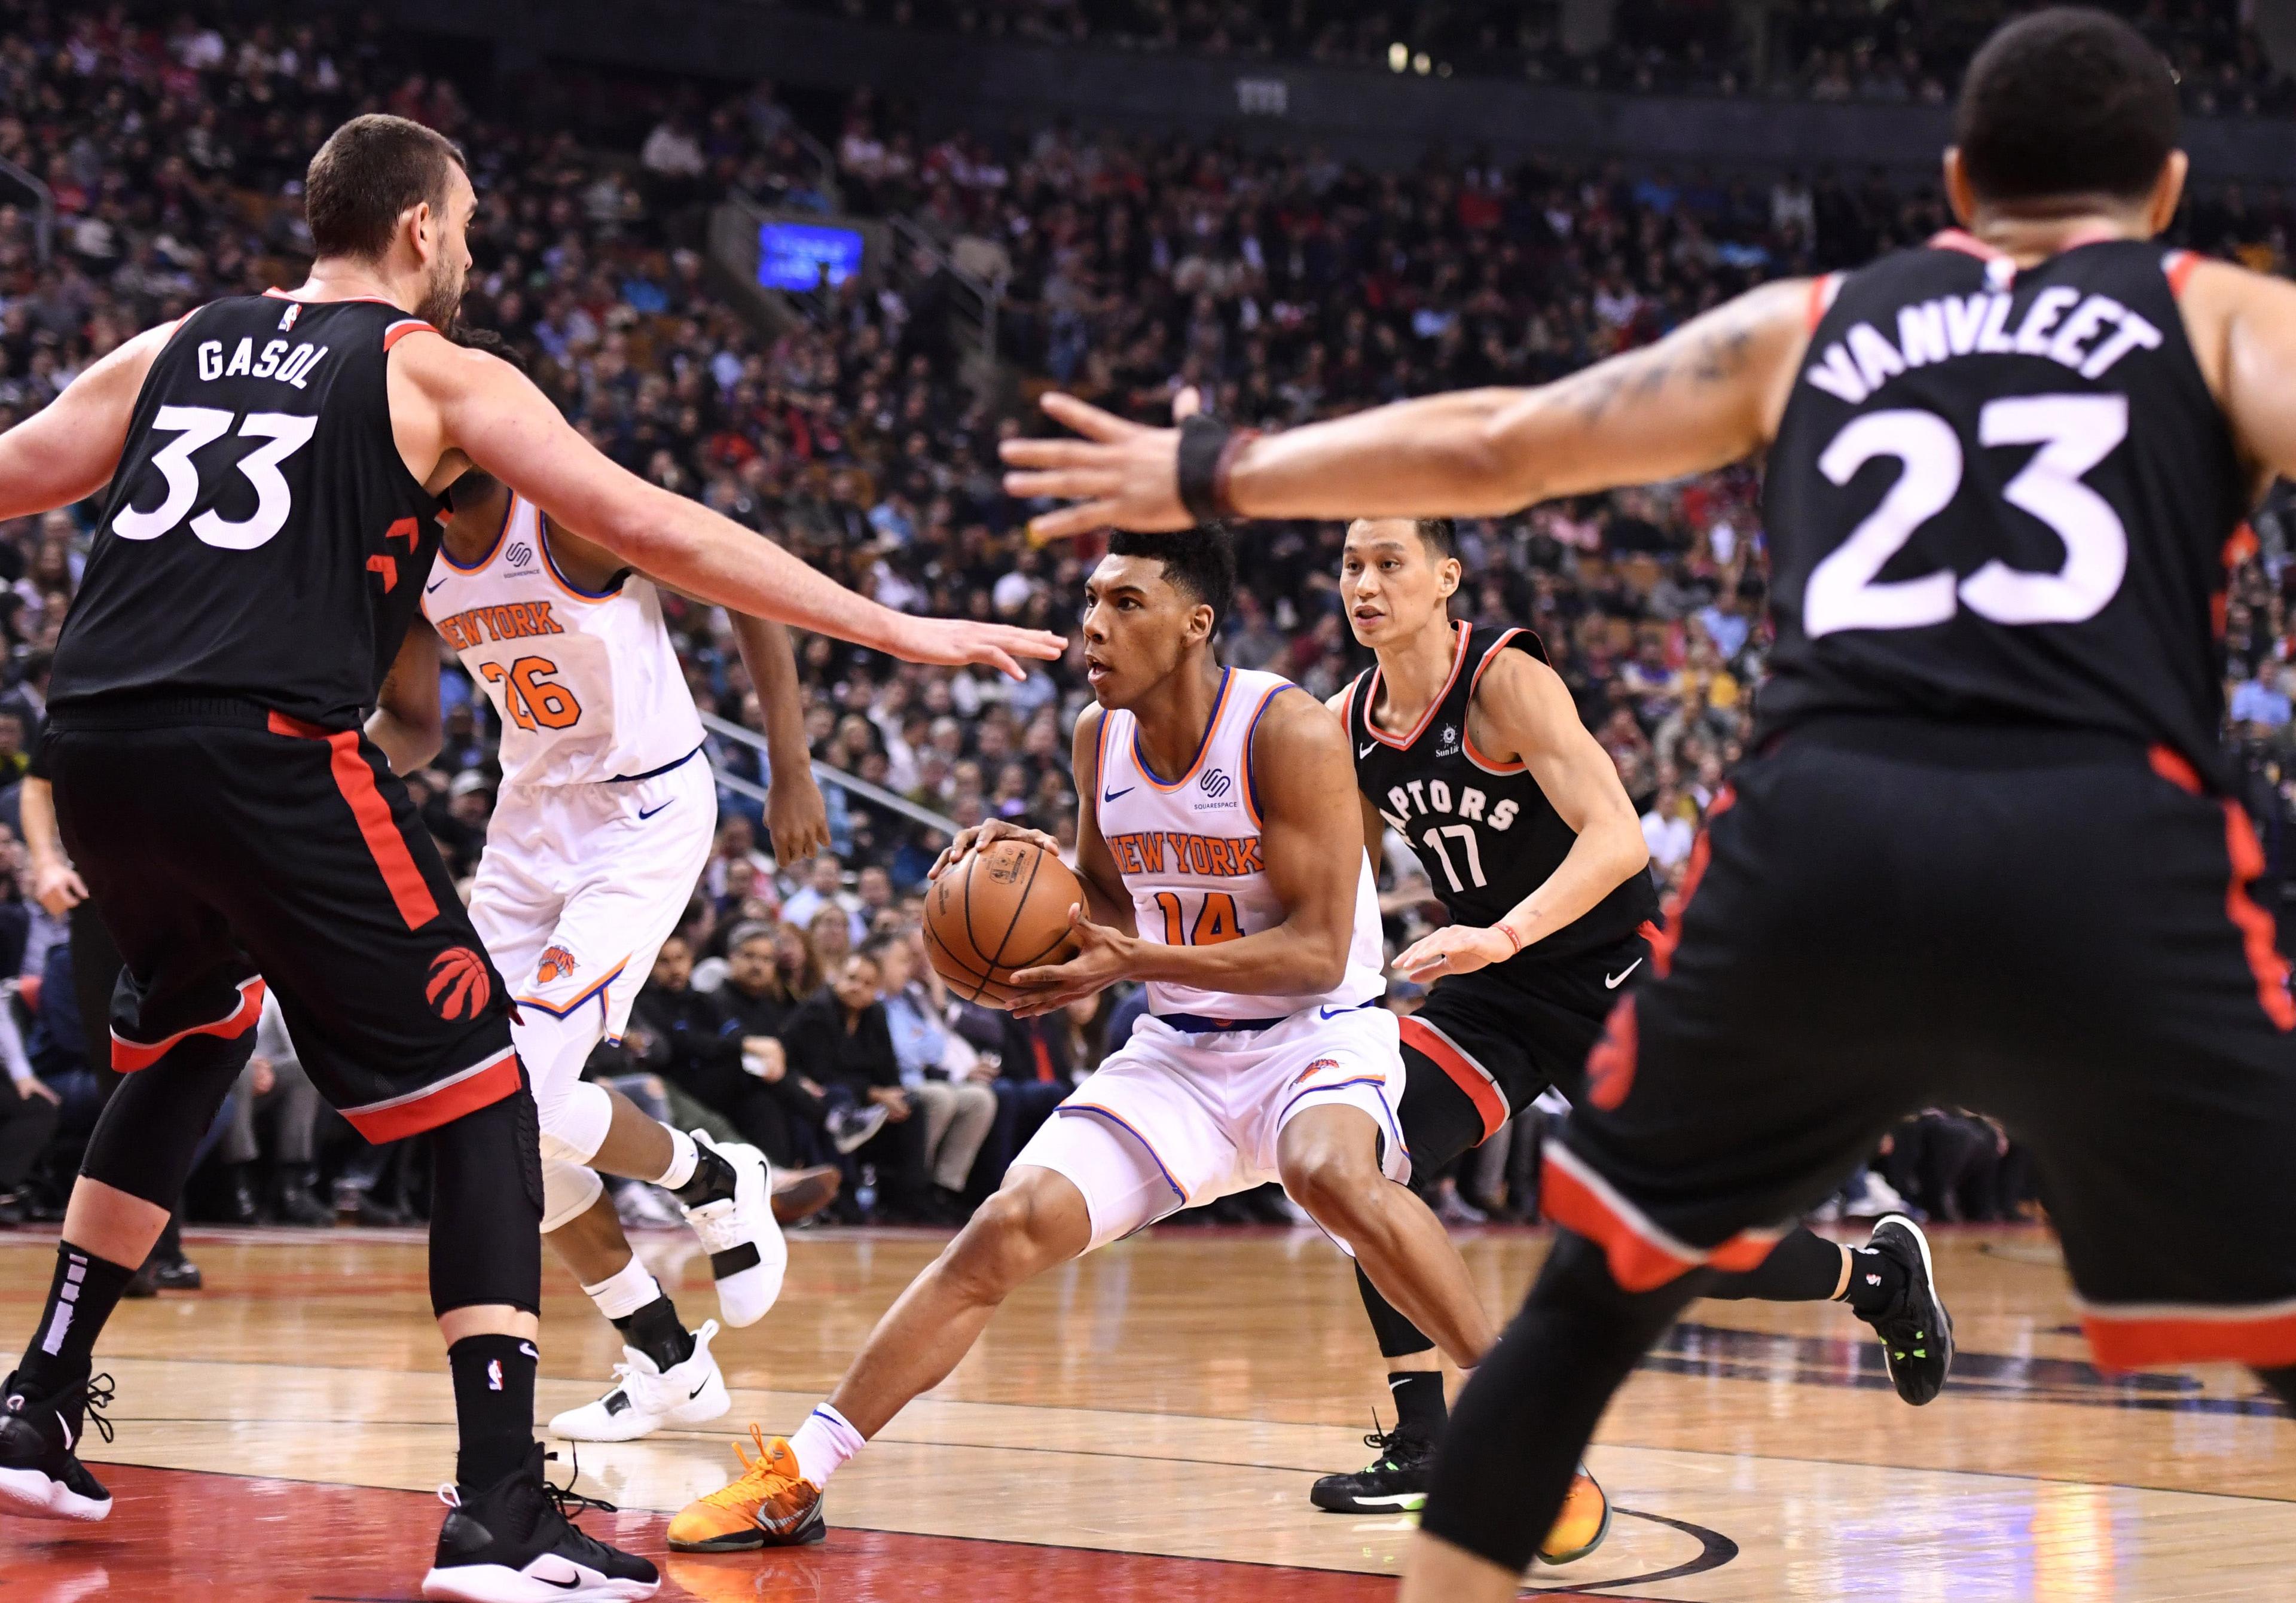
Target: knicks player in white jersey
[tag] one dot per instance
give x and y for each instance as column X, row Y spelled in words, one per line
column 604, row 823
column 1239, row 890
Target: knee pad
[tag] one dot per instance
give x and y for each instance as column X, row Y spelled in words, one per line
column 573, row 1111
column 574, row 1124
column 486, row 1208
column 568, row 1190
column 149, row 1134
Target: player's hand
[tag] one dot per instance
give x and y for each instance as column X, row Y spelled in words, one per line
column 796, row 817
column 956, row 643
column 1120, row 474
column 36, row 1087
column 896, row 1103
column 1104, row 957
column 261, row 1076
column 1456, row 950
column 980, row 836
column 57, row 886
column 764, row 1057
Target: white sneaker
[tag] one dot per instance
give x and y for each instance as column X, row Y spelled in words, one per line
column 644, row 1398
column 747, row 1253
column 1875, row 1197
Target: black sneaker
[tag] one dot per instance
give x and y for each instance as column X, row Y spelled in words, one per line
column 40, row 1476
column 1917, row 1333
column 1393, row 1483
column 498, row 1544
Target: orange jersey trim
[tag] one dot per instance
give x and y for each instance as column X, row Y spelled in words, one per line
column 568, row 1009
column 384, row 843
column 2145, row 1336
column 2246, row 856
column 1823, row 288
column 1662, row 942
column 1470, row 1076
column 1140, row 758
column 1371, row 700
column 474, row 1088
column 2179, row 268
column 1466, row 731
column 405, row 326
column 1251, row 733
column 1642, row 1256
column 128, row 1056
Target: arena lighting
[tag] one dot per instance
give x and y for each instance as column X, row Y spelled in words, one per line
column 1399, row 56
column 1421, row 64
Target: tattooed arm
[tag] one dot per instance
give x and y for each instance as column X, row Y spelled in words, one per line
column 1708, row 394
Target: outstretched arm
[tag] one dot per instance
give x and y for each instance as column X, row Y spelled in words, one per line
column 1523, row 709
column 449, row 402
column 1708, row 394
column 69, row 448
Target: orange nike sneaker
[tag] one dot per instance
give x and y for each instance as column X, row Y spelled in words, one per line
column 769, row 1506
column 1579, row 1530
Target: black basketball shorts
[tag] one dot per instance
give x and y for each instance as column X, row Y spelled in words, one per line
column 230, row 857
column 1484, row 1045
column 2053, row 928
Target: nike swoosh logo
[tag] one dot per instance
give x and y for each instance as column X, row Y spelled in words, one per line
column 1366, row 751
column 434, row 585
column 1611, row 982
column 697, row 1391
column 564, row 1586
column 1335, row 1012
column 65, row 1427
column 1109, row 796
column 651, row 814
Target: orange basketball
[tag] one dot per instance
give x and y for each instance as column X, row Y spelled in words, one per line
column 1006, row 907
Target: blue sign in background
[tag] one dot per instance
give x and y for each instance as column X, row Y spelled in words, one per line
column 793, row 256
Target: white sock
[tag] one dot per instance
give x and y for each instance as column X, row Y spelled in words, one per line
column 683, row 1157
column 823, row 1443
column 625, row 1292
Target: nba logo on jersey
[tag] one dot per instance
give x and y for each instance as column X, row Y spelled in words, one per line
column 287, row 318
column 493, row 1374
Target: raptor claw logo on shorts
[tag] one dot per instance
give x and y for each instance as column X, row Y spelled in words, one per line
column 459, row 987
column 557, row 963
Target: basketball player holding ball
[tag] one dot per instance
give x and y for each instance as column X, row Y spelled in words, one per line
column 1264, row 1053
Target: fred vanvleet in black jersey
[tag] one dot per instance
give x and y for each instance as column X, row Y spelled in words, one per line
column 1468, row 744
column 1980, row 856
column 224, row 748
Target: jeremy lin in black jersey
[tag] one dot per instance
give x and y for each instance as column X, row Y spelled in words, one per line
column 1468, row 744
column 1981, row 854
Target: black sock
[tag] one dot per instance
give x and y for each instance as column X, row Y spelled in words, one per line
column 1803, row 1267
column 1876, row 1283
column 657, row 1331
column 712, row 1180
column 80, row 1298
column 1419, row 1405
column 494, row 1407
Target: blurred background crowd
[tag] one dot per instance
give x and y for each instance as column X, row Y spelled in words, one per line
column 795, row 1009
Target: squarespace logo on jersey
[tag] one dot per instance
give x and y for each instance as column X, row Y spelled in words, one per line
column 1424, row 797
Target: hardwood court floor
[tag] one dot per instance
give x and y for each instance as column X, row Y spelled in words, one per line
column 1143, row 1426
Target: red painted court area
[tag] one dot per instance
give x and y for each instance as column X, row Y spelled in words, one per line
column 179, row 1535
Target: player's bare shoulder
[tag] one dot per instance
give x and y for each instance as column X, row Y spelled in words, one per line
column 1518, row 706
column 1296, row 743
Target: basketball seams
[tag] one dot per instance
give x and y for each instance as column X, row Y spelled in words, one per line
column 980, row 982
column 1019, row 906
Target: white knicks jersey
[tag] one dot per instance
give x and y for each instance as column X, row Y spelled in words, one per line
column 588, row 685
column 1189, row 850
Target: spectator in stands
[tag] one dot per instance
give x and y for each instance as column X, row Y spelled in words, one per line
column 794, row 1114
column 842, row 1038
column 939, row 1070
column 274, row 1086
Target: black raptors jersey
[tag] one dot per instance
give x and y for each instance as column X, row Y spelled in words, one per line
column 263, row 542
column 1484, row 830
column 2004, row 496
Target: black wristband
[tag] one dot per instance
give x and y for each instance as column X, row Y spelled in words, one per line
column 1203, row 442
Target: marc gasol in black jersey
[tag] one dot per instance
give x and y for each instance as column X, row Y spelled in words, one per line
column 264, row 541
column 1978, row 859
column 276, row 465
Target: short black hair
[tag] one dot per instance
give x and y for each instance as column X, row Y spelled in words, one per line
column 1440, row 536
column 2066, row 102
column 368, row 173
column 1200, row 560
